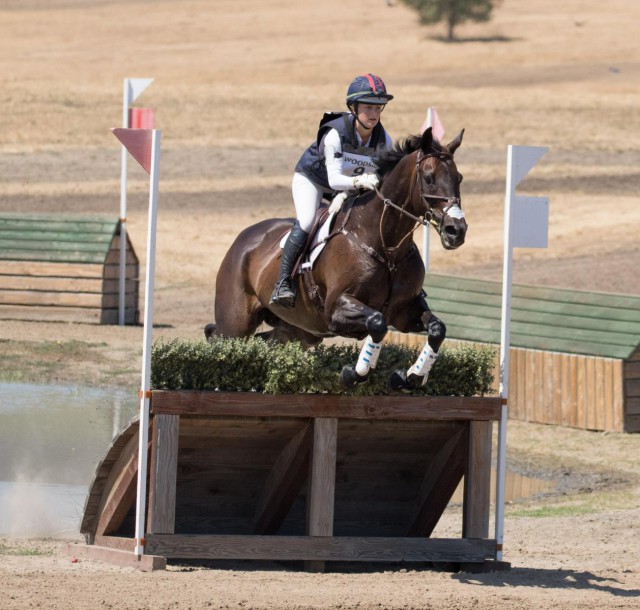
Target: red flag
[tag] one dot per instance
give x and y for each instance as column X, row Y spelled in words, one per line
column 138, row 142
column 433, row 121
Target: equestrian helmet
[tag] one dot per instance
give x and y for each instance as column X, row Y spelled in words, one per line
column 367, row 89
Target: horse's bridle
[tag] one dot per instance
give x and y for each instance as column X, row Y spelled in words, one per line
column 453, row 202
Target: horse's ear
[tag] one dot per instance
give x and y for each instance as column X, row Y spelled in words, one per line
column 426, row 141
column 455, row 143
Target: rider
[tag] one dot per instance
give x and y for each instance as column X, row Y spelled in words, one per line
column 341, row 159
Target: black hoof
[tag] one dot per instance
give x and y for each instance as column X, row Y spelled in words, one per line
column 400, row 382
column 350, row 379
column 209, row 330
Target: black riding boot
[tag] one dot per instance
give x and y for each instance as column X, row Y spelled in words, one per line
column 284, row 292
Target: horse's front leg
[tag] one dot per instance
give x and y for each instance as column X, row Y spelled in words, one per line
column 352, row 318
column 418, row 373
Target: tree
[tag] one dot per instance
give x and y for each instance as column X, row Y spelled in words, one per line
column 453, row 12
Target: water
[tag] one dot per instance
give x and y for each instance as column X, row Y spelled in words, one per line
column 51, row 440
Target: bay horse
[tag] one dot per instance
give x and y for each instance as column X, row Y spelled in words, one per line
column 369, row 274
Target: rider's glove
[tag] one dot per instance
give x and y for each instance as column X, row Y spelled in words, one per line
column 366, row 181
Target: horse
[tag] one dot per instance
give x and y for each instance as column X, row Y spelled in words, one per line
column 369, row 275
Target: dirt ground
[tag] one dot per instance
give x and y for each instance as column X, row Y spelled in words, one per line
column 238, row 90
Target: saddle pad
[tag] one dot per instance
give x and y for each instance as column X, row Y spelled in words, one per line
column 317, row 244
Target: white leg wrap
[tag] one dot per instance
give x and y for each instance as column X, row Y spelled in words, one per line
column 423, row 364
column 368, row 357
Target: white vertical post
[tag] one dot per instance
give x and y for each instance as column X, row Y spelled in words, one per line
column 425, row 231
column 525, row 225
column 145, row 393
column 131, row 89
column 505, row 329
column 126, row 101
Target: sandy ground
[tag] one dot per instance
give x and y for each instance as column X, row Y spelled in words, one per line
column 239, row 87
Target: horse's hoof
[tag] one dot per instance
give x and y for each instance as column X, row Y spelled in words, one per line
column 400, row 382
column 349, row 378
column 209, row 331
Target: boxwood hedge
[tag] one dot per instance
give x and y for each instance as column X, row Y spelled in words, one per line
column 253, row 365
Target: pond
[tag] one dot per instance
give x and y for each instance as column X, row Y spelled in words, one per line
column 51, row 440
column 53, row 437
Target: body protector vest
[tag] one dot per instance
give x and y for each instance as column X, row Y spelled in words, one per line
column 356, row 159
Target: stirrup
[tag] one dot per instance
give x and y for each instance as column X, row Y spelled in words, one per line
column 283, row 294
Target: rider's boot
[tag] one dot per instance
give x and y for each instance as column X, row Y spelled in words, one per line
column 284, row 292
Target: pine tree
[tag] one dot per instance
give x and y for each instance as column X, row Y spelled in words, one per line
column 452, row 12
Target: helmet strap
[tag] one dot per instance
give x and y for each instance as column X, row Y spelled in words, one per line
column 354, row 112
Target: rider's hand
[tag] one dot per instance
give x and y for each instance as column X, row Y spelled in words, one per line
column 366, row 181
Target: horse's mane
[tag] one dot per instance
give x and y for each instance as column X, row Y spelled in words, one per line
column 387, row 158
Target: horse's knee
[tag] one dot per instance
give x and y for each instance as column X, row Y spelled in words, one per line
column 377, row 326
column 436, row 331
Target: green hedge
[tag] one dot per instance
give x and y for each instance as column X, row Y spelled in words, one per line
column 246, row 365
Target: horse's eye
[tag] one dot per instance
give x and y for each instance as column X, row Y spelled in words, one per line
column 429, row 179
column 460, row 178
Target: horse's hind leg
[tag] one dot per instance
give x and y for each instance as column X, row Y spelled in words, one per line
column 238, row 314
column 284, row 333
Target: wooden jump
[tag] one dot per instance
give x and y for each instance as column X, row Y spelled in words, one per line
column 65, row 269
column 575, row 355
column 306, row 477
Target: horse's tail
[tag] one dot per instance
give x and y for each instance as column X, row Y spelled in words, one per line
column 209, row 331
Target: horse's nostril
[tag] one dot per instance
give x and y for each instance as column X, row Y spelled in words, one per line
column 451, row 230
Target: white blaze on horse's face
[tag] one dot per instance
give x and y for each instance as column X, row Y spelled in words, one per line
column 439, row 182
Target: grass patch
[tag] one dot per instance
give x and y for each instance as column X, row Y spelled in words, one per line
column 36, row 361
column 553, row 511
column 24, row 551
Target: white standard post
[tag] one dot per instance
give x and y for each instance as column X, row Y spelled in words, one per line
column 526, row 221
column 131, row 89
column 505, row 329
column 425, row 231
column 145, row 393
column 126, row 101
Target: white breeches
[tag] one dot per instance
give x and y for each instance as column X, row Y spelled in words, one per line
column 306, row 198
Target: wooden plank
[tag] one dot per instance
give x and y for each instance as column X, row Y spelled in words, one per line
column 599, row 384
column 116, row 542
column 321, row 548
column 580, row 364
column 283, row 483
column 44, row 269
column 618, row 397
column 322, row 482
column 191, row 402
column 477, row 482
column 556, row 388
column 163, row 474
column 65, row 284
column 439, row 484
column 632, row 388
column 81, row 223
column 65, row 299
column 119, row 491
column 117, row 557
column 607, row 400
column 590, row 393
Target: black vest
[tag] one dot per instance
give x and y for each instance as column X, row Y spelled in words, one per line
column 355, row 159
